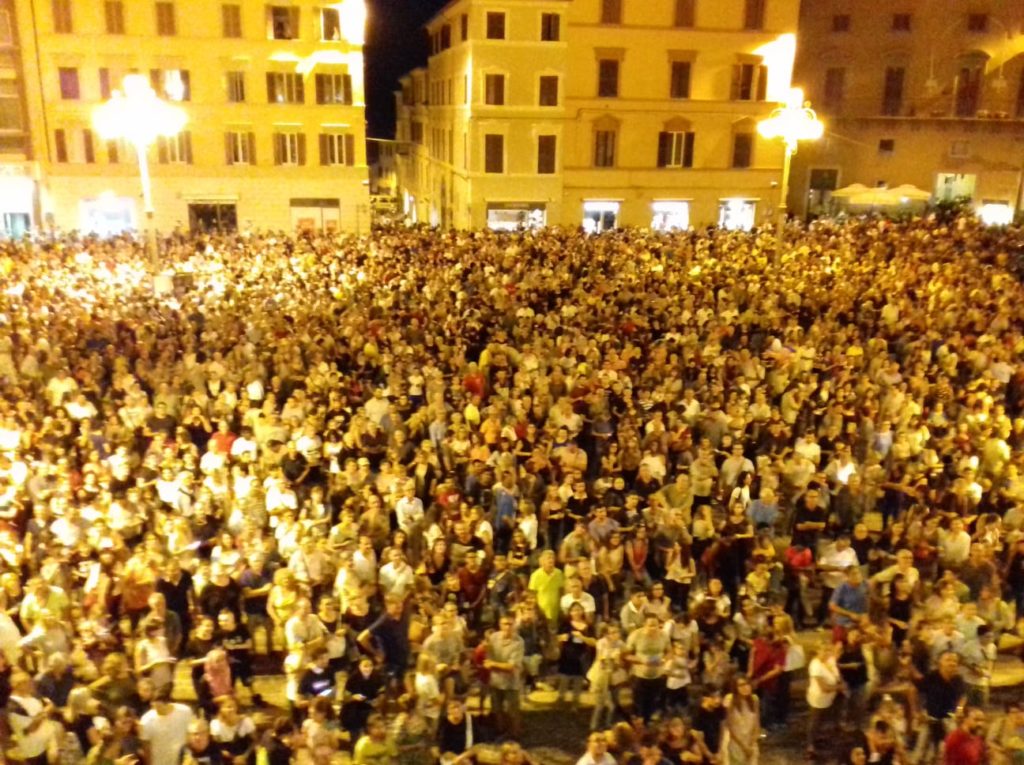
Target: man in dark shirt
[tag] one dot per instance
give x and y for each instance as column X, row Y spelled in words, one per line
column 943, row 691
column 853, row 668
column 237, row 641
column 455, row 732
column 221, row 592
column 161, row 422
column 707, row 720
column 318, row 682
column 388, row 638
column 809, row 521
column 200, row 749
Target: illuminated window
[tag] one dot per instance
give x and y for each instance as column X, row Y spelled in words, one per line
column 289, row 148
column 675, row 148
column 282, row 22
column 334, row 89
column 337, row 149
column 175, row 150
column 172, row 84
column 114, row 16
column 231, row 20
column 670, row 216
column 240, row 147
column 285, row 88
column 166, row 24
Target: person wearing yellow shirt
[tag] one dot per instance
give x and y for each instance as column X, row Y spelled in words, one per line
column 548, row 582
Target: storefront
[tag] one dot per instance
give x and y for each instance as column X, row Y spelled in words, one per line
column 670, row 215
column 516, row 216
column 17, row 200
column 600, row 215
column 107, row 214
column 316, row 214
column 737, row 214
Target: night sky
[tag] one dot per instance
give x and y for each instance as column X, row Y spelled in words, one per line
column 395, row 43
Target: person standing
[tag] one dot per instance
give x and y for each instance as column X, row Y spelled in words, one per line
column 548, row 582
column 742, row 727
column 648, row 649
column 164, row 729
column 966, row 744
column 823, row 685
column 504, row 660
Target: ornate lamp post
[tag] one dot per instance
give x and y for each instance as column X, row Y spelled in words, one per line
column 135, row 114
column 792, row 122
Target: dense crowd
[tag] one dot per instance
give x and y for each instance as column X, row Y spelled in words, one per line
column 424, row 476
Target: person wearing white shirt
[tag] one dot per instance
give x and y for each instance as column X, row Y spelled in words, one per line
column 954, row 545
column 397, row 578
column 597, row 751
column 824, row 683
column 164, row 730
column 576, row 594
column 833, row 564
column 409, row 509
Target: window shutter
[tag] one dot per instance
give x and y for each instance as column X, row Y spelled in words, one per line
column 112, row 156
column 325, row 158
column 156, row 81
column 60, row 144
column 228, row 146
column 737, row 81
column 688, row 149
column 346, row 83
column 319, row 84
column 186, row 82
column 251, row 138
column 278, row 148
column 187, row 138
column 300, row 90
column 302, row 148
column 293, row 23
column 664, row 148
column 104, row 83
column 762, row 83
column 271, row 91
column 350, row 150
column 161, row 150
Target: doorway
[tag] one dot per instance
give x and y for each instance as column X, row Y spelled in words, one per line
column 209, row 217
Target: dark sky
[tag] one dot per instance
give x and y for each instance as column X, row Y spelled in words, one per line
column 395, row 43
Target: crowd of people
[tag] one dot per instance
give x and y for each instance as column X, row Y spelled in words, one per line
column 406, row 482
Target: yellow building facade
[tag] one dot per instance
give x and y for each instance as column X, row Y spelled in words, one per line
column 925, row 92
column 598, row 113
column 273, row 93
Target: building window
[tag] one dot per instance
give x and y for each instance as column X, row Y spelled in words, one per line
column 841, row 22
column 334, row 89
column 330, row 24
column 105, row 88
column 968, row 90
column 886, row 146
column 446, row 37
column 75, row 146
column 289, row 148
column 69, row 89
column 116, row 151
column 604, row 148
column 464, row 26
column 753, row 14
column 10, row 107
column 549, row 90
column 670, row 216
column 172, row 84
column 285, row 88
column 901, row 22
column 608, row 78
column 550, row 27
column 546, row 152
column 240, row 147
column 62, row 23
column 686, row 14
column 494, row 153
column 742, row 150
column 495, row 25
column 166, row 25
column 611, row 11
column 231, row 20
column 416, row 132
column 977, row 22
column 494, row 89
column 113, row 11
column 282, row 22
column 675, row 148
column 337, row 149
column 175, row 150
column 679, row 85
column 835, row 86
column 236, row 87
column 749, row 82
column 892, row 91
column 60, row 145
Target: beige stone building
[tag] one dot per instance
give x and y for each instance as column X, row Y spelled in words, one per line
column 926, row 92
column 273, row 92
column 596, row 113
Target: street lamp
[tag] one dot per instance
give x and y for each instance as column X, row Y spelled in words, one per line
column 793, row 122
column 135, row 114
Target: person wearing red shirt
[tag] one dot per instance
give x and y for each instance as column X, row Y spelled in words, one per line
column 966, row 744
column 767, row 663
